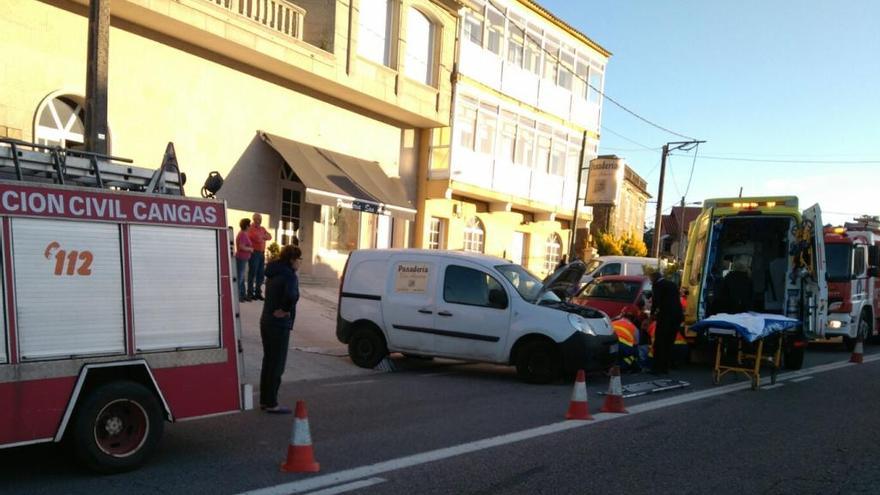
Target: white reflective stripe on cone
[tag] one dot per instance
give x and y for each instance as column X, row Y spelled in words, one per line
column 301, row 435
column 615, row 388
column 579, row 394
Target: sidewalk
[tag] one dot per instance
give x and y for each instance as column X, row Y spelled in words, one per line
column 314, row 351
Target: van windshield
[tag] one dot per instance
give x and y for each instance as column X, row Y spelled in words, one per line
column 528, row 285
column 592, row 265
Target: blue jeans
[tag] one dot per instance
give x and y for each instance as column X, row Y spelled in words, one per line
column 241, row 266
column 256, row 267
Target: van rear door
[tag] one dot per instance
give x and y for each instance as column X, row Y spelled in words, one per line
column 814, row 283
column 695, row 261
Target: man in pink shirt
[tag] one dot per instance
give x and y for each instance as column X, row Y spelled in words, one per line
column 257, row 263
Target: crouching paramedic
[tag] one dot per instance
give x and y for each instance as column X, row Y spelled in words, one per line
column 627, row 341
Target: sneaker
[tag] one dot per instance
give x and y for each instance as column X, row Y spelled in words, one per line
column 278, row 410
column 259, row 297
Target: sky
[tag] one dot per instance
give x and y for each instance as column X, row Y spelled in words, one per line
column 792, row 80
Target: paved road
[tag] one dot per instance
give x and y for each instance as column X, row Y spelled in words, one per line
column 817, row 435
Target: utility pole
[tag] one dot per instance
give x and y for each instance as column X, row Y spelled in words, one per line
column 681, row 231
column 96, row 76
column 658, row 219
column 577, row 201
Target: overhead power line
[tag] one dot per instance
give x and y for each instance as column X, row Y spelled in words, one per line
column 771, row 160
column 575, row 75
column 621, row 136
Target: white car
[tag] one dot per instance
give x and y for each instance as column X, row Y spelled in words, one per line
column 619, row 265
column 471, row 307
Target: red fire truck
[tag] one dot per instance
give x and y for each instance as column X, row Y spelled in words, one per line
column 118, row 304
column 853, row 255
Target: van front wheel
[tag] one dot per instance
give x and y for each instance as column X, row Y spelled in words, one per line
column 538, row 362
column 366, row 347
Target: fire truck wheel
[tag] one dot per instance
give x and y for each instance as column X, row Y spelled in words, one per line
column 367, row 347
column 793, row 358
column 117, row 426
column 862, row 330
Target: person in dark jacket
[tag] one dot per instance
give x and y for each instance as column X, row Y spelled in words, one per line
column 666, row 310
column 276, row 322
column 735, row 291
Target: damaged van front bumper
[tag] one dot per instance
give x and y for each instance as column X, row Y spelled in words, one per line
column 582, row 351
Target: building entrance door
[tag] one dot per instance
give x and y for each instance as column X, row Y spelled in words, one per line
column 516, row 250
column 289, row 219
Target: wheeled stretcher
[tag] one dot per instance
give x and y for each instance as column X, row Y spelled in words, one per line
column 734, row 354
column 745, row 342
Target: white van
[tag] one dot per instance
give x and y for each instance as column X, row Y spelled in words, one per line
column 468, row 306
column 618, row 265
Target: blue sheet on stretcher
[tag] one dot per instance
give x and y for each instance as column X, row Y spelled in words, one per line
column 751, row 326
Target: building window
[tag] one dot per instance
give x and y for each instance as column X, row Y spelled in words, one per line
column 419, row 47
column 593, row 95
column 542, row 161
column 466, row 122
column 552, row 252
column 551, row 58
column 573, row 155
column 437, row 233
column 525, row 142
column 532, row 56
column 582, row 69
column 507, row 145
column 495, row 31
column 341, row 228
column 558, row 154
column 473, row 27
column 379, row 229
column 61, row 122
column 487, row 123
column 566, row 68
column 474, row 235
column 374, row 31
column 515, row 44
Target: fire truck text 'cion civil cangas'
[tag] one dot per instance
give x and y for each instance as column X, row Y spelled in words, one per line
column 118, row 304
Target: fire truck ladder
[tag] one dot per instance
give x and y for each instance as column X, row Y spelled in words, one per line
column 23, row 161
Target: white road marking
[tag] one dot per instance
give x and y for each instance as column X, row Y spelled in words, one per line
column 770, row 387
column 353, row 474
column 357, row 485
column 342, row 384
column 801, row 379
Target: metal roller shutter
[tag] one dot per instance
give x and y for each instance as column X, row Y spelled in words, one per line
column 175, row 304
column 68, row 281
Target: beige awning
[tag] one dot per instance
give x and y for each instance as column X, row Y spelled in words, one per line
column 335, row 179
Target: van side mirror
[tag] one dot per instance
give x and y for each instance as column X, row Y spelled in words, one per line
column 497, row 298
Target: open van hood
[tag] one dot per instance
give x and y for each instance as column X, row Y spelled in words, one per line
column 565, row 279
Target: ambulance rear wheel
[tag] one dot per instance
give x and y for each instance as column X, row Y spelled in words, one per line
column 117, row 426
column 793, row 358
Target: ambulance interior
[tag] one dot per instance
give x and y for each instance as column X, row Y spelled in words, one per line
column 759, row 247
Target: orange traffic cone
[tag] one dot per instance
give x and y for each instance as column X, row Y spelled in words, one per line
column 577, row 407
column 614, row 397
column 300, row 457
column 857, row 355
